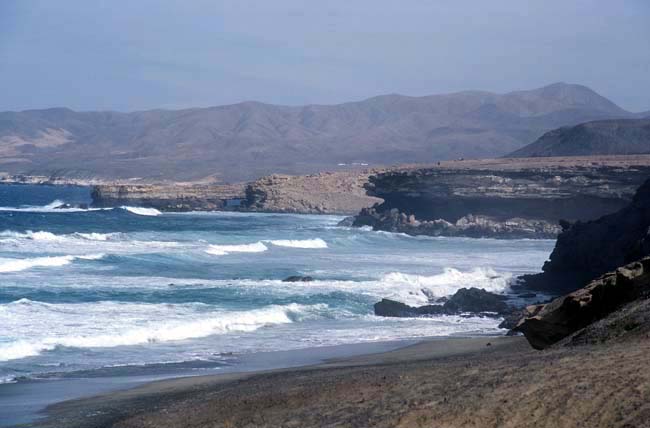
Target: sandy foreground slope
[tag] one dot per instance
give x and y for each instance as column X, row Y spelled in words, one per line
column 437, row 383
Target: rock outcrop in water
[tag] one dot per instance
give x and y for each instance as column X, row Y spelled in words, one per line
column 547, row 324
column 502, row 198
column 588, row 249
column 473, row 300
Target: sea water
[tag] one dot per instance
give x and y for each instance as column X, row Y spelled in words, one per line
column 83, row 290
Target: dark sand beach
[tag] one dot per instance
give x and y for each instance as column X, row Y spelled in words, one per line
column 479, row 382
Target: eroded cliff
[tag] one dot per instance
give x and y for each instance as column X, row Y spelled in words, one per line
column 502, row 198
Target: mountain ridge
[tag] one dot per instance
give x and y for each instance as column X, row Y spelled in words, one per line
column 250, row 139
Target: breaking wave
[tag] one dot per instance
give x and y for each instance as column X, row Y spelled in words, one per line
column 17, row 265
column 98, row 326
column 151, row 212
column 450, row 281
column 223, row 250
column 56, row 206
column 299, row 243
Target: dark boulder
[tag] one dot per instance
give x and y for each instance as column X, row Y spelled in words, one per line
column 298, row 278
column 547, row 324
column 476, row 300
column 393, row 308
column 472, row 300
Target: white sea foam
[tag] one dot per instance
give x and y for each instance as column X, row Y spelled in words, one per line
column 110, row 324
column 222, row 250
column 8, row 379
column 299, row 243
column 79, row 242
column 142, row 211
column 96, row 236
column 451, row 280
column 17, row 265
column 52, row 207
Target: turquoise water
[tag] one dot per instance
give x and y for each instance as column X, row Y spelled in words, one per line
column 89, row 289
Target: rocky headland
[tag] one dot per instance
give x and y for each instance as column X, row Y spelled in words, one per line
column 323, row 193
column 586, row 250
column 603, row 265
column 170, row 197
column 502, row 198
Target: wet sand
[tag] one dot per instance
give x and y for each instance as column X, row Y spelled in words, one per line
column 438, row 383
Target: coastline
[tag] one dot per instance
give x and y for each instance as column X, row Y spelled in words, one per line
column 469, row 384
column 121, row 392
column 452, row 382
column 23, row 402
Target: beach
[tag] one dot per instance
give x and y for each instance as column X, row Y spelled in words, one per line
column 476, row 382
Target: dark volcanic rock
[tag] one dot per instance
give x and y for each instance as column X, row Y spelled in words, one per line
column 298, row 278
column 465, row 300
column 546, row 324
column 471, row 226
column 393, row 308
column 476, row 300
column 588, row 249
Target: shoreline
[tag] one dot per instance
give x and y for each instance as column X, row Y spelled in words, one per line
column 24, row 402
column 124, row 389
column 447, row 382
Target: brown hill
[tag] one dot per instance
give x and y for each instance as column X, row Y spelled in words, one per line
column 248, row 140
column 603, row 137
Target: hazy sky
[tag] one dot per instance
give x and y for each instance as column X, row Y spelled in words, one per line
column 141, row 54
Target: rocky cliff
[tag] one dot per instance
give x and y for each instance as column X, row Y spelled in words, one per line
column 588, row 249
column 324, row 193
column 502, row 198
column 170, row 197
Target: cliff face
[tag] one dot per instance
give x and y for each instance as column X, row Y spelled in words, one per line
column 588, row 249
column 170, row 197
column 324, row 193
column 514, row 198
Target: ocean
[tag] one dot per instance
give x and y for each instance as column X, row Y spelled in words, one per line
column 85, row 290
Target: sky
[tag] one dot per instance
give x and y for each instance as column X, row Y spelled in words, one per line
column 131, row 55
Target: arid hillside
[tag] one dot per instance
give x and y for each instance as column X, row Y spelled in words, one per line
column 245, row 141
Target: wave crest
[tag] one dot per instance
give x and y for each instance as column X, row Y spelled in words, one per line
column 175, row 322
column 450, row 281
column 299, row 243
column 17, row 265
column 223, row 250
column 151, row 212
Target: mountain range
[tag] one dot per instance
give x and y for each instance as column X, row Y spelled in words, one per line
column 251, row 139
